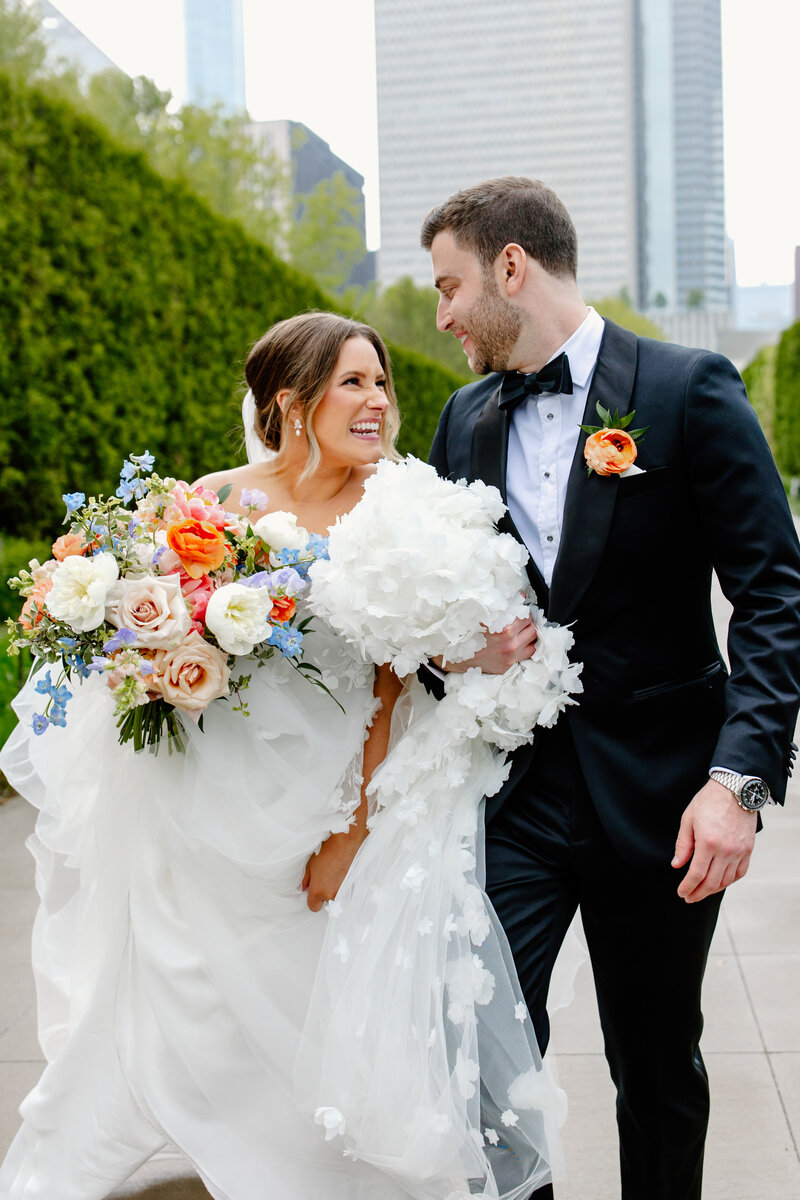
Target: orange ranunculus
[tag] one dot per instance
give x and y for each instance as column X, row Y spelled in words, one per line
column 27, row 618
column 609, row 451
column 282, row 608
column 67, row 545
column 199, row 545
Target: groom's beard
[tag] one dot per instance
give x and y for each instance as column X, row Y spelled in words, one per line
column 493, row 325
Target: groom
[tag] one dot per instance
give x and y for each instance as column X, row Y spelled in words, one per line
column 641, row 805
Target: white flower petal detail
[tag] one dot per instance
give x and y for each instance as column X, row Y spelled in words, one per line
column 332, row 1121
column 237, row 616
column 492, row 1136
column 509, row 1118
column 520, row 1012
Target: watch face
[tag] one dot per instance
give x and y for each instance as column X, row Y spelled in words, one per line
column 755, row 794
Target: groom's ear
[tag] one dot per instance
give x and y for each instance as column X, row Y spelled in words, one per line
column 513, row 264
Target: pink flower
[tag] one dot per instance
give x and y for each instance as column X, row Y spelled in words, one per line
column 153, row 607
column 197, row 593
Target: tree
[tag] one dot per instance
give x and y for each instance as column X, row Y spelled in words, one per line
column 211, row 153
column 22, row 51
column 325, row 238
column 660, row 300
column 695, row 298
column 617, row 310
column 406, row 314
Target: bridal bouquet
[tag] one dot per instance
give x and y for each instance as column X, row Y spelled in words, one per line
column 418, row 570
column 158, row 589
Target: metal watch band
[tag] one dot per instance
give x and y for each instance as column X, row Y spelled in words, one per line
column 729, row 779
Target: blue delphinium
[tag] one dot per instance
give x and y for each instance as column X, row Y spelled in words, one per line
column 317, row 545
column 40, row 723
column 145, row 461
column 73, row 501
column 44, row 686
column 58, row 716
column 287, row 640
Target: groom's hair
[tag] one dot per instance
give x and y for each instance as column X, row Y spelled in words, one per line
column 488, row 216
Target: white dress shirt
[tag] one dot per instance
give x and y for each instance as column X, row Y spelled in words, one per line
column 541, row 445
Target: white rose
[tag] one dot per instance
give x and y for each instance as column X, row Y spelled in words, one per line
column 237, row 616
column 153, row 607
column 280, row 531
column 190, row 676
column 80, row 591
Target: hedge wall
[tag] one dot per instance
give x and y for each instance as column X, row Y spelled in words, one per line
column 126, row 311
column 787, row 401
column 759, row 379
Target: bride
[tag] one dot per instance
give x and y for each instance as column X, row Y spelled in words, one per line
column 191, row 991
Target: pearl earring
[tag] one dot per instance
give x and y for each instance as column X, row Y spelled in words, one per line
column 298, row 427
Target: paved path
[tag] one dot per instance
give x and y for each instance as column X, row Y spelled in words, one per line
column 751, row 1045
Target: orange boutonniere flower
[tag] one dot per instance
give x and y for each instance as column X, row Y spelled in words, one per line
column 611, row 448
column 199, row 545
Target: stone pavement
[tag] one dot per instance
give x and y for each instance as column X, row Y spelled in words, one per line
column 751, row 1045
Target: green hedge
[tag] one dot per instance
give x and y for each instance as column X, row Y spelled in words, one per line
column 787, row 401
column 759, row 379
column 126, row 311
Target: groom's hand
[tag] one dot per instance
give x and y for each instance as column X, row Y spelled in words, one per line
column 513, row 644
column 718, row 836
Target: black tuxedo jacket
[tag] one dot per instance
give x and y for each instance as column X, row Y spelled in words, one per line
column 633, row 578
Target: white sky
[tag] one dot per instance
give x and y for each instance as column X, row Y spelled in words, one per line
column 314, row 61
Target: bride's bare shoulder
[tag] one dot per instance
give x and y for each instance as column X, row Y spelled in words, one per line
column 247, row 476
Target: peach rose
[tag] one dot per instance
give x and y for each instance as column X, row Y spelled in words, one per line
column 27, row 618
column 191, row 676
column 283, row 608
column 199, row 545
column 67, row 545
column 153, row 607
column 609, row 451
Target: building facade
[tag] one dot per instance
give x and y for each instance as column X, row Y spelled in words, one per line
column 308, row 160
column 615, row 103
column 66, row 44
column 215, row 54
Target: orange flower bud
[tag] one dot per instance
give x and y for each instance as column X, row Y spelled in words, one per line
column 283, row 608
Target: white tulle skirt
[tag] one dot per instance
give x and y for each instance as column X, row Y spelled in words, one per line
column 379, row 1050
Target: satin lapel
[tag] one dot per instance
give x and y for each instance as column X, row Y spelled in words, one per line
column 590, row 500
column 489, row 460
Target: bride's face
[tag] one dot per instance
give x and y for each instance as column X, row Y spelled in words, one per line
column 348, row 418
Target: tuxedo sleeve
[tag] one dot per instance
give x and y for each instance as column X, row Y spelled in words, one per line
column 744, row 517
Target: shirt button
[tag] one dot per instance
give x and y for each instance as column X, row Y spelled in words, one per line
column 549, row 416
column 549, row 537
column 547, row 474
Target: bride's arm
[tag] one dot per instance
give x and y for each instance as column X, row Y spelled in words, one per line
column 326, row 870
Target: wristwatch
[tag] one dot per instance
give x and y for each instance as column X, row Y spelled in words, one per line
column 751, row 792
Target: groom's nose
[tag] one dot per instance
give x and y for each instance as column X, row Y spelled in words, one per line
column 443, row 317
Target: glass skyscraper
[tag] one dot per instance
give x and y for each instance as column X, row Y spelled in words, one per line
column 215, row 54
column 615, row 103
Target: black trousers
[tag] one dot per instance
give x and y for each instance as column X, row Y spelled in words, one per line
column 547, row 854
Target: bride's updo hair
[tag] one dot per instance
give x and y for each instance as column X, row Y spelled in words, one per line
column 301, row 354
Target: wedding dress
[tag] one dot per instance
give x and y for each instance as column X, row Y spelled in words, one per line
column 188, row 996
column 378, row 1050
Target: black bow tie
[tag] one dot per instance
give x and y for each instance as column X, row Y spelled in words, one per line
column 554, row 378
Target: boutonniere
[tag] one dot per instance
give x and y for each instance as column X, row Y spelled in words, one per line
column 611, row 447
